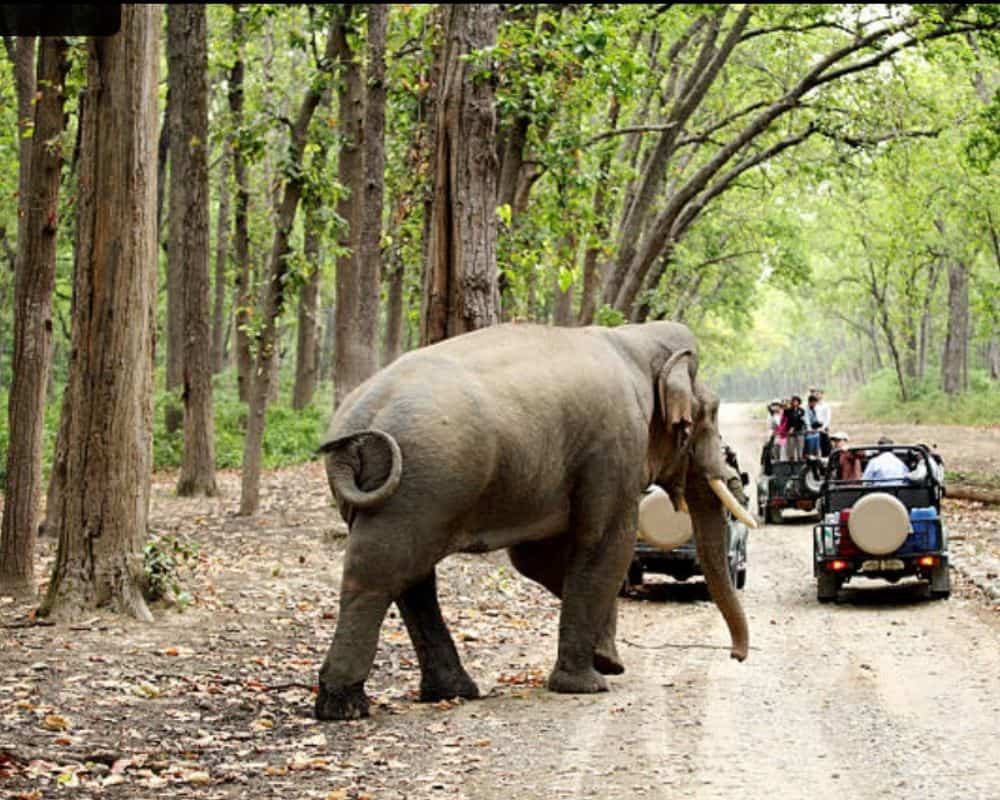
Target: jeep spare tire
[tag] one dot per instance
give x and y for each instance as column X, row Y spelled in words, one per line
column 811, row 481
column 879, row 523
column 661, row 524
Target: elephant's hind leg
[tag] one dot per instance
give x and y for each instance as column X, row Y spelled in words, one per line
column 545, row 562
column 442, row 675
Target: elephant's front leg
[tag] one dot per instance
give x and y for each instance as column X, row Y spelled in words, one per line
column 442, row 675
column 586, row 625
column 545, row 562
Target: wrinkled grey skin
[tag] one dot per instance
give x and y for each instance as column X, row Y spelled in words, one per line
column 531, row 438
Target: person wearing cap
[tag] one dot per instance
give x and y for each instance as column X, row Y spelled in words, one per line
column 776, row 439
column 886, row 467
column 847, row 464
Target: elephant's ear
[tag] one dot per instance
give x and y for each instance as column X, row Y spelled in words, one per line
column 676, row 393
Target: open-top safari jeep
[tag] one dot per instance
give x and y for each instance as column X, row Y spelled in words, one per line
column 666, row 543
column 788, row 485
column 887, row 529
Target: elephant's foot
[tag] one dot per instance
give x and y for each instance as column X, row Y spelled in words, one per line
column 585, row 681
column 348, row 702
column 607, row 661
column 446, row 687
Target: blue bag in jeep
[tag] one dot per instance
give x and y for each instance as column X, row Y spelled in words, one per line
column 926, row 527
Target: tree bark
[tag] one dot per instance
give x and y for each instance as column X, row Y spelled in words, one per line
column 955, row 359
column 220, row 323
column 34, row 280
column 25, row 83
column 241, row 234
column 348, row 347
column 273, row 300
column 103, row 497
column 369, row 265
column 307, row 354
column 176, row 143
column 392, row 347
column 461, row 292
column 187, row 62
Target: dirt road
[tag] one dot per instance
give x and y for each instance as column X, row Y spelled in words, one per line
column 885, row 695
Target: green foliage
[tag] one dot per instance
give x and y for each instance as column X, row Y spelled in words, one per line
column 290, row 436
column 879, row 400
column 163, row 558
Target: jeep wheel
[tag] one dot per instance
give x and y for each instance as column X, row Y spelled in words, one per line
column 827, row 586
column 741, row 579
column 772, row 515
column 940, row 581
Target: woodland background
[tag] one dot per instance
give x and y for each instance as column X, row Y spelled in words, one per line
column 812, row 188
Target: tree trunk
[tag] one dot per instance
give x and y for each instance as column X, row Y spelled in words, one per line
column 103, row 496
column 241, row 235
column 326, row 355
column 273, row 300
column 954, row 360
column 34, row 280
column 306, row 354
column 394, row 314
column 350, row 98
column 162, row 157
column 461, row 292
column 220, row 322
column 176, row 143
column 187, row 62
column 25, row 82
column 369, row 265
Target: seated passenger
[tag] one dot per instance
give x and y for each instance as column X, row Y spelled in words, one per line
column 885, row 467
column 846, row 464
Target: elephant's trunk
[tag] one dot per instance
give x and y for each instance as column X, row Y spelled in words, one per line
column 709, row 520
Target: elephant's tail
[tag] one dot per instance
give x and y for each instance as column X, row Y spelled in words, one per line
column 364, row 468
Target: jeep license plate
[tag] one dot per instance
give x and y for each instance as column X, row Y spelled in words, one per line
column 881, row 564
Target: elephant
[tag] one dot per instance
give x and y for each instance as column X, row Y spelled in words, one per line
column 536, row 439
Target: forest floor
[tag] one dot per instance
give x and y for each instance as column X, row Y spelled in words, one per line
column 215, row 699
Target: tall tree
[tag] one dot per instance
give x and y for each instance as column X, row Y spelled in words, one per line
column 273, row 300
column 460, row 290
column 241, row 231
column 187, row 62
column 34, row 280
column 21, row 51
column 955, row 358
column 220, row 324
column 369, row 266
column 348, row 346
column 102, row 499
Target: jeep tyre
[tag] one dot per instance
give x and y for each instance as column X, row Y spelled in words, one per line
column 827, row 586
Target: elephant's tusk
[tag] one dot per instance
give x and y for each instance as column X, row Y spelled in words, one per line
column 731, row 503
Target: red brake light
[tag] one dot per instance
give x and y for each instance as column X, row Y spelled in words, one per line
column 838, row 565
column 927, row 561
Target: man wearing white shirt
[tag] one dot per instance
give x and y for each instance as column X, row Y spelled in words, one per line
column 824, row 415
column 885, row 466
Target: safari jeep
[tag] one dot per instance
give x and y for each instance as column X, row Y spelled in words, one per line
column 888, row 529
column 666, row 543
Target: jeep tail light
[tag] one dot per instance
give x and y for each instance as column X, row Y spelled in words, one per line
column 927, row 561
column 839, row 565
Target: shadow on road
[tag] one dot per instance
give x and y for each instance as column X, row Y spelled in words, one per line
column 875, row 595
column 694, row 591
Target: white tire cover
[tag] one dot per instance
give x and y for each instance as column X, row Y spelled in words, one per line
column 660, row 523
column 879, row 523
